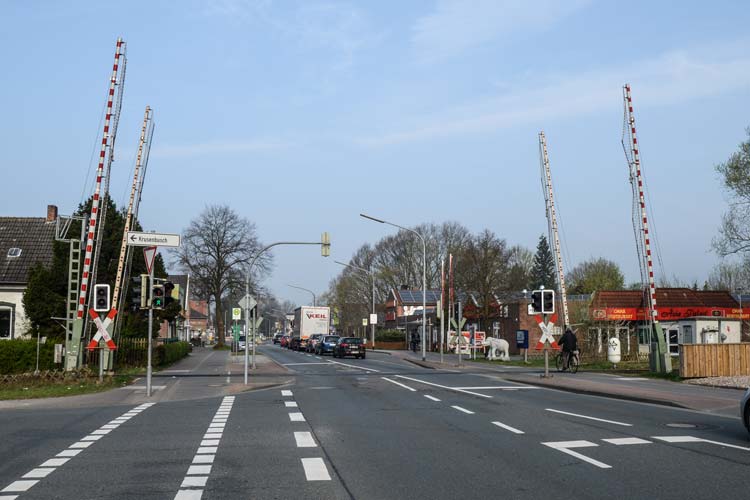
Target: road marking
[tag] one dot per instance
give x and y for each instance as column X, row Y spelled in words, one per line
column 564, row 446
column 305, row 363
column 399, row 384
column 468, row 412
column 304, row 440
column 630, row 378
column 443, row 386
column 500, row 387
column 433, row 398
column 318, row 357
column 508, row 427
column 355, row 366
column 589, row 418
column 624, row 441
column 315, row 469
column 48, row 467
column 693, row 439
column 296, row 417
column 199, row 471
column 290, row 404
column 286, row 393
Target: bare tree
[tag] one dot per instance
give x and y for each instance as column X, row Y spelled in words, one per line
column 216, row 249
column 730, row 276
column 734, row 233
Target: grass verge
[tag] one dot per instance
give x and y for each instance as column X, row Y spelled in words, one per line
column 32, row 389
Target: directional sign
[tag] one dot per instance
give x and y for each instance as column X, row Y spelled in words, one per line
column 236, row 313
column 101, row 330
column 248, row 302
column 153, row 239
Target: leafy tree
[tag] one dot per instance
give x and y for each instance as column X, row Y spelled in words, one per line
column 595, row 274
column 543, row 270
column 734, row 232
column 217, row 247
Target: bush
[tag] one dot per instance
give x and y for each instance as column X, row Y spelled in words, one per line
column 166, row 354
column 19, row 356
column 389, row 336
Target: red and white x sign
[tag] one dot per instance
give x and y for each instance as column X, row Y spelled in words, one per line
column 101, row 330
column 547, row 334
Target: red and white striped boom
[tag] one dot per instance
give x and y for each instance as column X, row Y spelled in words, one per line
column 635, row 176
column 96, row 202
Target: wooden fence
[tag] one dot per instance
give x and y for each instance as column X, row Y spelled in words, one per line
column 714, row 360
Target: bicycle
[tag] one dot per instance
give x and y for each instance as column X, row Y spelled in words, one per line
column 573, row 362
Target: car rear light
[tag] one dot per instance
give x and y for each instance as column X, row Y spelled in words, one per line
column 344, row 345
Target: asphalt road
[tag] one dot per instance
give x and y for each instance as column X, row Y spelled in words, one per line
column 378, row 428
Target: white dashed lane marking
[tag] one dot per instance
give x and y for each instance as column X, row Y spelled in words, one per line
column 399, row 384
column 626, row 441
column 508, row 428
column 45, row 469
column 468, row 412
column 286, row 393
column 432, row 398
column 296, row 417
column 199, row 471
column 315, row 469
column 304, row 440
column 589, row 418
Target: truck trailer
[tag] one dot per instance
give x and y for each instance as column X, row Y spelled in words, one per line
column 309, row 320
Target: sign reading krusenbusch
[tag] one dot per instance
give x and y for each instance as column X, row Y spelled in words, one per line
column 153, row 239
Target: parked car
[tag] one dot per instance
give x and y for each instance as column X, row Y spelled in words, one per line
column 312, row 341
column 294, row 343
column 284, row 342
column 277, row 338
column 745, row 409
column 326, row 344
column 241, row 343
column 349, row 346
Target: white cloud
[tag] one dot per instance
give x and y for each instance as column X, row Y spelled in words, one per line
column 675, row 76
column 458, row 25
column 186, row 150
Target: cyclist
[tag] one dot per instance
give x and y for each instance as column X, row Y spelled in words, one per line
column 569, row 344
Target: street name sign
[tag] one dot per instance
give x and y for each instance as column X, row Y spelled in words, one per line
column 153, row 239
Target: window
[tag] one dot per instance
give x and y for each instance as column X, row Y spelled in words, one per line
column 6, row 323
column 644, row 335
column 14, row 252
column 674, row 347
column 687, row 334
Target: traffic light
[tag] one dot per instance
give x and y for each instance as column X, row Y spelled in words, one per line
column 157, row 294
column 536, row 302
column 139, row 298
column 548, row 301
column 168, row 287
column 457, row 310
column 325, row 245
column 101, row 298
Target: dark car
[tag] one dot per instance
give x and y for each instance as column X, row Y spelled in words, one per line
column 349, row 346
column 745, row 409
column 312, row 341
column 326, row 344
column 294, row 343
column 284, row 342
column 277, row 338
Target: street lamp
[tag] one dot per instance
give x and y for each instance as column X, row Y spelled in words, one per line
column 372, row 277
column 305, row 289
column 424, row 275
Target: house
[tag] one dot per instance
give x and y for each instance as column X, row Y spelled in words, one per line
column 403, row 311
column 686, row 316
column 24, row 242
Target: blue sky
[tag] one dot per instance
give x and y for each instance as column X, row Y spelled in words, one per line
column 301, row 115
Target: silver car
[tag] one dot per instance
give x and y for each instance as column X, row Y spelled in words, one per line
column 745, row 409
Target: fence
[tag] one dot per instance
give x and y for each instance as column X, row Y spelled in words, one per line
column 714, row 360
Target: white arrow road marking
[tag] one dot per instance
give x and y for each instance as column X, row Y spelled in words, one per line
column 399, row 384
column 565, row 447
column 589, row 418
column 693, row 439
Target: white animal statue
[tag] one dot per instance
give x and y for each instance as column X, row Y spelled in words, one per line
column 496, row 345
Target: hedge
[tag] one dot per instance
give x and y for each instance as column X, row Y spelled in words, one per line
column 19, row 356
column 390, row 336
column 166, row 354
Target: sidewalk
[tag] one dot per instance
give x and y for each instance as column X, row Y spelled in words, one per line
column 722, row 401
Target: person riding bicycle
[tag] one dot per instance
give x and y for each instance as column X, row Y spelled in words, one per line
column 569, row 343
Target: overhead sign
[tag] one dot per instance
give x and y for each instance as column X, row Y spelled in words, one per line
column 153, row 239
column 236, row 313
column 149, row 253
column 248, row 302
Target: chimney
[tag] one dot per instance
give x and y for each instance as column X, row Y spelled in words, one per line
column 51, row 213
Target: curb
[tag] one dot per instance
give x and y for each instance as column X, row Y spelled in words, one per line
column 590, row 392
column 419, row 363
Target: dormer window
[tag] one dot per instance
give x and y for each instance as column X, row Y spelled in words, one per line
column 14, row 252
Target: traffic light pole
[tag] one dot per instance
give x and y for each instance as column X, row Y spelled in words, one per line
column 546, row 352
column 150, row 326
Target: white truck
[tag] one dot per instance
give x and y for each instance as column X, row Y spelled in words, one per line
column 309, row 320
